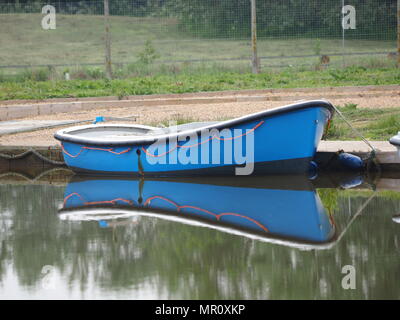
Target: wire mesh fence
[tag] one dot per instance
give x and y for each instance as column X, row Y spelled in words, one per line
column 171, row 35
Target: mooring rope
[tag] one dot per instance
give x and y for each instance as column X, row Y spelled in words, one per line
column 354, row 129
column 372, row 155
column 358, row 213
column 28, row 152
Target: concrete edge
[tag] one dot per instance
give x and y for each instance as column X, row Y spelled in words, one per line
column 42, row 127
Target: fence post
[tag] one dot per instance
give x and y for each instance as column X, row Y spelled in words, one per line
column 107, row 40
column 255, row 61
column 343, row 38
column 398, row 33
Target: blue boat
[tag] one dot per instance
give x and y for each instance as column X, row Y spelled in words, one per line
column 277, row 209
column 280, row 140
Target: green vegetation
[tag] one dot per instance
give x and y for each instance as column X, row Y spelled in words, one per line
column 385, row 126
column 186, row 79
column 148, row 55
column 329, row 199
column 359, row 193
column 374, row 124
column 226, row 18
column 174, row 121
column 78, row 39
column 230, row 19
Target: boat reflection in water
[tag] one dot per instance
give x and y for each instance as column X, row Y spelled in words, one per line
column 279, row 209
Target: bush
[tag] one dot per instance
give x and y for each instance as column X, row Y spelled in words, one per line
column 95, row 73
column 42, row 74
column 148, row 55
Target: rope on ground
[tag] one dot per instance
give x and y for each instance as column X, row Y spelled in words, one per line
column 34, row 152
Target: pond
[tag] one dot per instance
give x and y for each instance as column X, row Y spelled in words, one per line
column 271, row 237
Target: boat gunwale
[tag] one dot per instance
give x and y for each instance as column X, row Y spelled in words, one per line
column 64, row 136
column 293, row 242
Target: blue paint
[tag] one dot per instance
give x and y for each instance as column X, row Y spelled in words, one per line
column 103, row 224
column 352, row 183
column 99, row 119
column 295, row 214
column 285, row 136
column 350, row 161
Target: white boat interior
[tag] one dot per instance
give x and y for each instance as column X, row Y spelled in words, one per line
column 118, row 131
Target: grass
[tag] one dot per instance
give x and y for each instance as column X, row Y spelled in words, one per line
column 384, row 127
column 78, row 39
column 386, row 194
column 191, row 79
column 174, row 121
column 373, row 124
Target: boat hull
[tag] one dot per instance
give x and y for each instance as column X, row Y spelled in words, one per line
column 278, row 143
column 271, row 212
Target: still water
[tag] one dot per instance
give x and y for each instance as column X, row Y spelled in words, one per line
column 255, row 238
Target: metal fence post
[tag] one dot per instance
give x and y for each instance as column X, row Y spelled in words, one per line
column 107, row 40
column 255, row 61
column 398, row 33
column 343, row 38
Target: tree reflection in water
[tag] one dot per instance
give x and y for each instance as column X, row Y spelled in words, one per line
column 181, row 261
